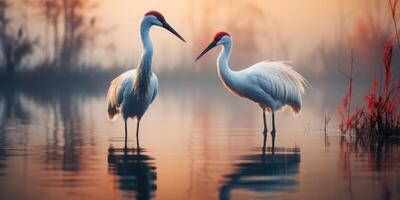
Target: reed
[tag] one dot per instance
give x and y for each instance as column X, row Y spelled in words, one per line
column 377, row 122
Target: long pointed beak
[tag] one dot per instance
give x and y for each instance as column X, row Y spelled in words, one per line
column 170, row 29
column 210, row 46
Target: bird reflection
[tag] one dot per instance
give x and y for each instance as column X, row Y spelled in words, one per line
column 271, row 170
column 135, row 171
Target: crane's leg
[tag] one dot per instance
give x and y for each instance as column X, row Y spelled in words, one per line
column 137, row 133
column 273, row 130
column 265, row 142
column 265, row 123
column 126, row 134
column 273, row 125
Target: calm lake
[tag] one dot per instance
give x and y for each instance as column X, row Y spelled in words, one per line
column 198, row 142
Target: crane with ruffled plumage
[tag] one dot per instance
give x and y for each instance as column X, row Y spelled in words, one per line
column 272, row 85
column 132, row 92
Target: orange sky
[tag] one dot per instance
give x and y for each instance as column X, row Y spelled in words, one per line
column 302, row 24
column 298, row 26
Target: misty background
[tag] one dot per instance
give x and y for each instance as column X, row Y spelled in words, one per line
column 84, row 44
column 317, row 36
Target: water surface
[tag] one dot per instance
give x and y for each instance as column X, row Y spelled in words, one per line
column 197, row 142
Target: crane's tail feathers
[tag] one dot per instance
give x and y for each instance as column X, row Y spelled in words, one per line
column 112, row 112
column 300, row 82
column 294, row 102
column 112, row 105
column 285, row 71
column 283, row 83
column 295, row 108
column 293, row 84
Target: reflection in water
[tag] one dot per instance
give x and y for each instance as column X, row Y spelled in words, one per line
column 135, row 171
column 263, row 173
column 69, row 156
column 3, row 151
column 55, row 143
column 13, row 108
column 13, row 111
column 384, row 166
column 64, row 149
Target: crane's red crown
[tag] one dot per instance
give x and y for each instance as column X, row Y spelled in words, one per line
column 219, row 35
column 156, row 14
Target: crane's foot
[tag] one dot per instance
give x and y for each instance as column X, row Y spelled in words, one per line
column 125, row 149
column 265, row 142
column 126, row 144
column 273, row 144
column 137, row 144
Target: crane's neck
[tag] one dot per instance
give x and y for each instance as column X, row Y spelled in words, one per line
column 224, row 71
column 147, row 53
column 143, row 73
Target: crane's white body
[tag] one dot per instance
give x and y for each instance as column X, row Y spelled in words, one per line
column 123, row 94
column 273, row 85
column 123, row 97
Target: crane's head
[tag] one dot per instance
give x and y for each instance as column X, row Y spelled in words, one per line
column 219, row 38
column 158, row 19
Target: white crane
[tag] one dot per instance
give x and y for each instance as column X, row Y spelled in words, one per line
column 132, row 92
column 272, row 85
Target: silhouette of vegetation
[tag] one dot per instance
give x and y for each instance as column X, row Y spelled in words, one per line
column 15, row 46
column 345, row 121
column 78, row 28
column 377, row 123
column 327, row 119
column 381, row 116
column 50, row 11
column 70, row 30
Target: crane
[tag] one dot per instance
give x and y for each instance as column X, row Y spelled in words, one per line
column 272, row 85
column 133, row 91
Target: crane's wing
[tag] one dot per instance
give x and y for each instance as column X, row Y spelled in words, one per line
column 281, row 82
column 116, row 91
column 154, row 79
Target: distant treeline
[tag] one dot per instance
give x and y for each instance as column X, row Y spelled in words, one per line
column 68, row 29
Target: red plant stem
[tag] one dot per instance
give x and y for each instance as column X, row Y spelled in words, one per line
column 387, row 58
column 350, row 92
column 393, row 10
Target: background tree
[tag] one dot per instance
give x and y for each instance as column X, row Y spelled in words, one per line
column 78, row 26
column 15, row 46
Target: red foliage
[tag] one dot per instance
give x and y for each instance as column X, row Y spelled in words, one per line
column 347, row 121
column 342, row 124
column 393, row 9
column 380, row 115
column 387, row 59
column 378, row 121
column 371, row 97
